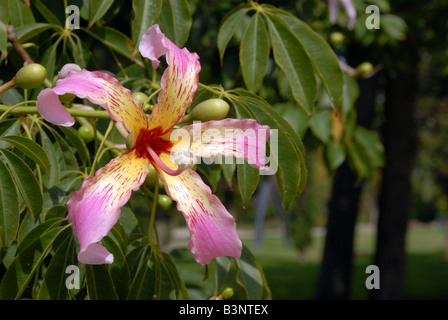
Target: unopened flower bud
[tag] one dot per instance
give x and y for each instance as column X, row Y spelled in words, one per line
column 164, row 201
column 364, row 68
column 66, row 69
column 151, row 177
column 336, row 38
column 212, row 109
column 30, row 76
column 87, row 133
column 227, row 293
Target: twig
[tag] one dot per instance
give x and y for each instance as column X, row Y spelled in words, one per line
column 12, row 37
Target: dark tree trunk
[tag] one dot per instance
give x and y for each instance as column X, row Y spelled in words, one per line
column 335, row 275
column 394, row 204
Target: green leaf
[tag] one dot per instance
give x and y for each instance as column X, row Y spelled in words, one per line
column 288, row 159
column 37, row 232
column 251, row 278
column 321, row 55
column 320, row 125
column 31, row 149
column 248, row 178
column 176, row 20
column 119, row 270
column 146, row 14
column 114, row 40
column 78, row 143
column 54, row 282
column 47, row 145
column 25, row 181
column 144, row 279
column 28, row 31
column 100, row 285
column 3, row 39
column 19, row 13
column 4, row 13
column 334, row 154
column 46, row 13
column 26, row 263
column 175, row 281
column 218, row 271
column 292, row 58
column 9, row 208
column 254, row 53
column 229, row 25
column 49, row 58
column 98, row 9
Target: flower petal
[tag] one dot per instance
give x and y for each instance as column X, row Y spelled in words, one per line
column 212, row 228
column 50, row 108
column 99, row 88
column 351, row 13
column 179, row 81
column 244, row 139
column 95, row 209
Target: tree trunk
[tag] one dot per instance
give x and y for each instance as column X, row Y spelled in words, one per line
column 335, row 275
column 395, row 196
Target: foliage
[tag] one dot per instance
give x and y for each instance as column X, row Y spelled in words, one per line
column 288, row 78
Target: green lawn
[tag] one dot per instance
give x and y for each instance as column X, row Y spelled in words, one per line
column 292, row 278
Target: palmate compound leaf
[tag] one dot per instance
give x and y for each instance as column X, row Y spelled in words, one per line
column 27, row 262
column 31, row 149
column 286, row 149
column 321, row 55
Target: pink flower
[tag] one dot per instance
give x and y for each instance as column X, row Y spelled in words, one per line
column 349, row 9
column 95, row 209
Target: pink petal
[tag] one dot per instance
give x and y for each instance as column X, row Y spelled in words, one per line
column 244, row 139
column 212, row 228
column 332, row 10
column 101, row 89
column 179, row 81
column 350, row 11
column 50, row 109
column 95, row 209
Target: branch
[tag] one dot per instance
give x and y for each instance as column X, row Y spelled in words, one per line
column 12, row 37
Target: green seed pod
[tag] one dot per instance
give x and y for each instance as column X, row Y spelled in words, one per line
column 151, row 177
column 212, row 109
column 87, row 133
column 140, row 97
column 227, row 293
column 336, row 38
column 30, row 76
column 364, row 68
column 164, row 201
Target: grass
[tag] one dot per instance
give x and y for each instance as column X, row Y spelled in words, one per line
column 293, row 277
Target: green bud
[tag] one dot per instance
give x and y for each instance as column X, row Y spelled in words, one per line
column 140, row 97
column 364, row 68
column 164, row 201
column 151, row 177
column 68, row 97
column 87, row 133
column 30, row 76
column 227, row 293
column 128, row 141
column 212, row 109
column 336, row 38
